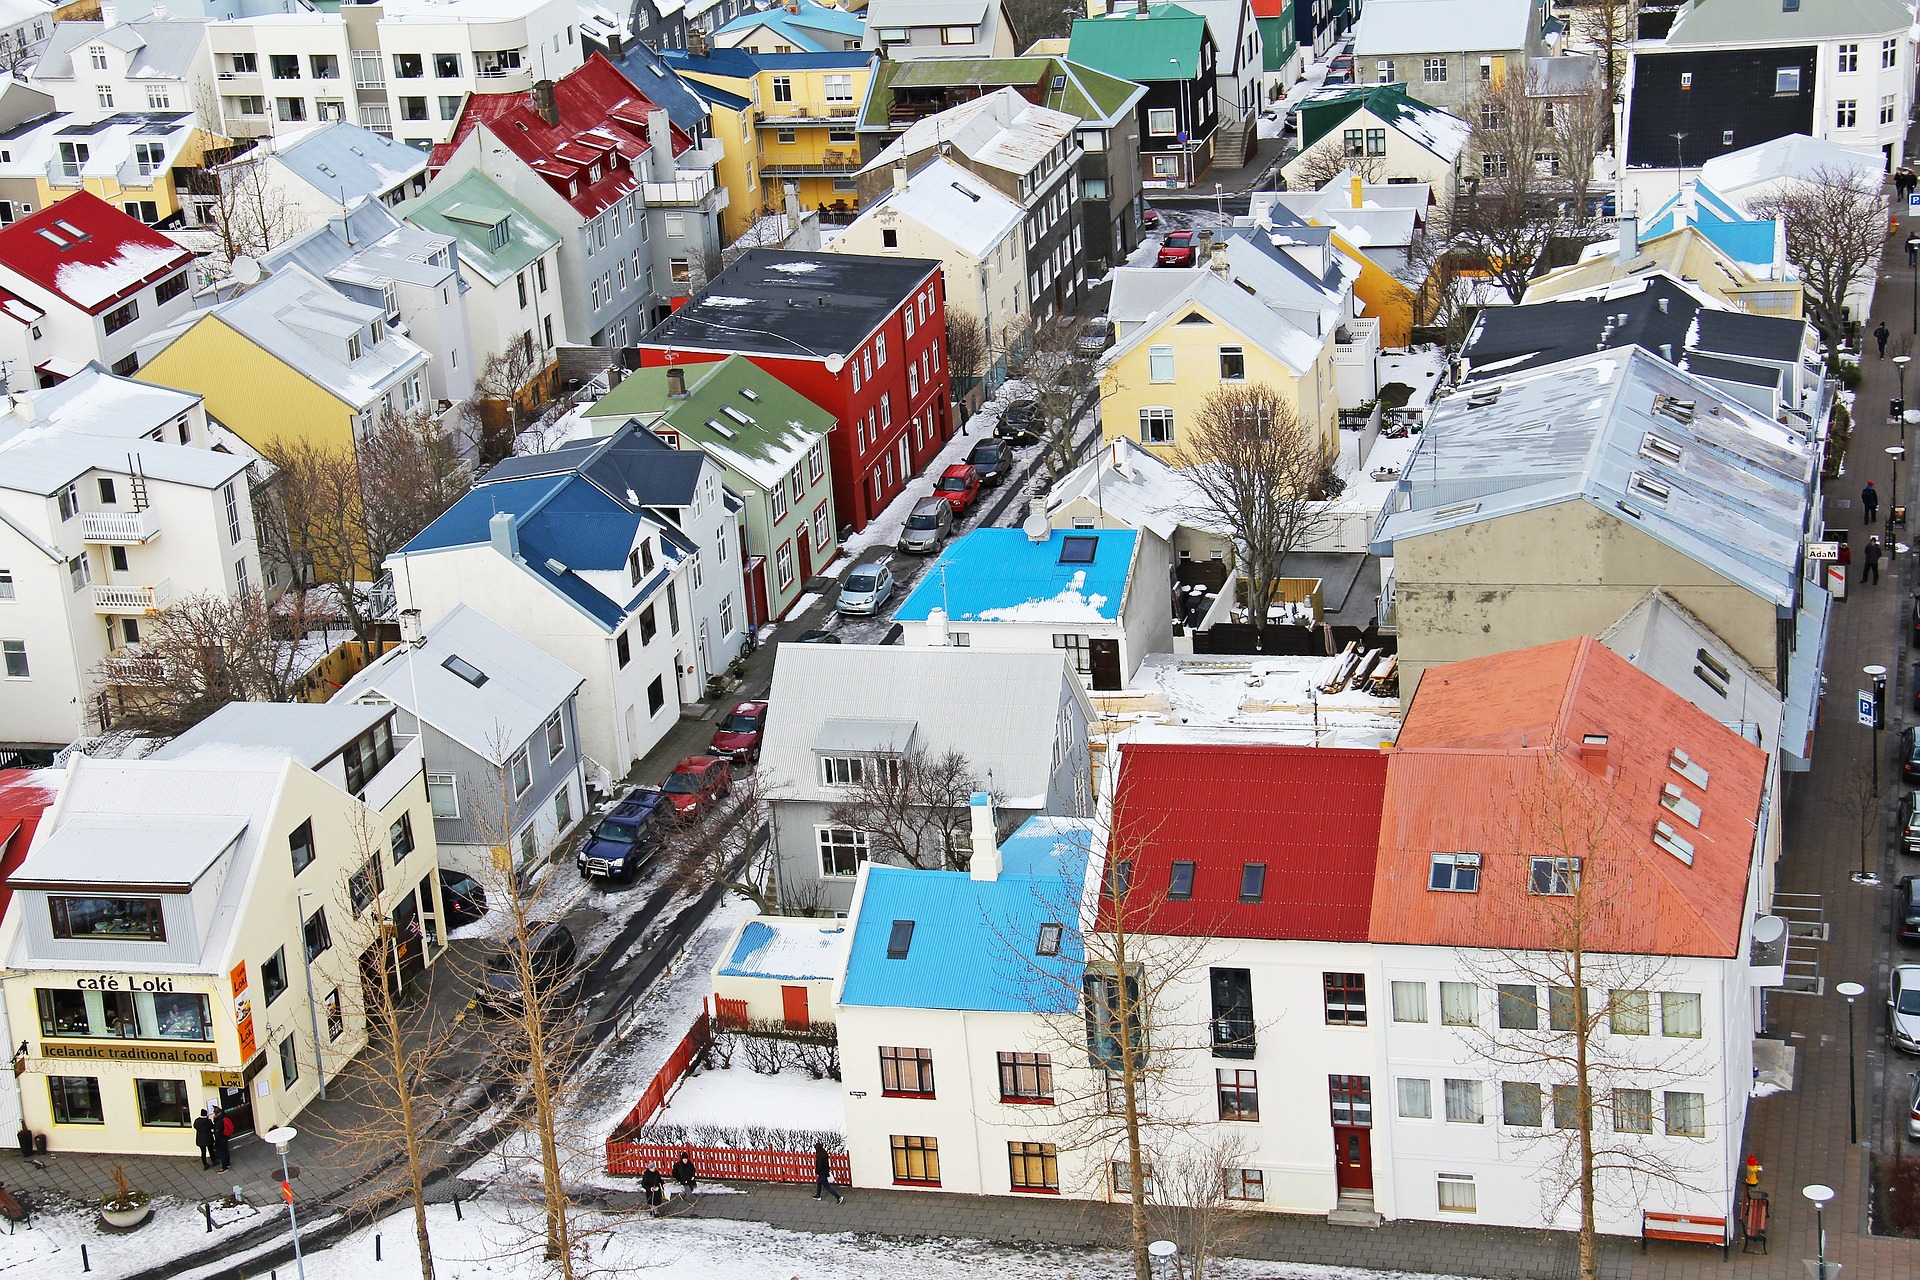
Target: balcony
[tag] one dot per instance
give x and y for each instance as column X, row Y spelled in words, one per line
column 692, row 187
column 786, row 114
column 120, row 528
column 118, row 600
column 828, row 168
column 1233, row 1035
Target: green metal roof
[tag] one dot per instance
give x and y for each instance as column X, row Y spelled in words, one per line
column 468, row 210
column 1092, row 95
column 1164, row 45
column 760, row 435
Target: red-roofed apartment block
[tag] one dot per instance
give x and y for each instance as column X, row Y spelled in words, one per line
column 79, row 281
column 632, row 195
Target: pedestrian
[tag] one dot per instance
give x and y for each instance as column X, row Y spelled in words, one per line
column 222, row 1137
column 1870, row 499
column 823, row 1174
column 651, row 1182
column 203, row 1137
column 683, row 1174
column 1871, row 561
column 1880, row 335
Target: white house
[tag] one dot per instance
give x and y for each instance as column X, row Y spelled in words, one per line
column 780, row 969
column 24, row 27
column 904, row 30
column 302, row 177
column 152, row 64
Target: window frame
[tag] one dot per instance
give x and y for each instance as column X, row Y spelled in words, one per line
column 909, row 1150
column 1021, row 1168
column 1236, row 1093
column 906, row 1072
column 1026, row 1079
column 1337, row 999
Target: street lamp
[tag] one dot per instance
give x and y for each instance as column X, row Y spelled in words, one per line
column 1896, row 452
column 1900, row 363
column 1163, row 1253
column 1820, row 1193
column 1852, row 991
column 281, row 1138
column 1219, row 202
column 313, row 1010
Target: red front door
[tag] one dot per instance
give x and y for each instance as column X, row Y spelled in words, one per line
column 793, row 1006
column 1352, row 1158
column 805, row 544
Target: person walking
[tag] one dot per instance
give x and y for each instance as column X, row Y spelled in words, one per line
column 222, row 1137
column 823, row 1174
column 1880, row 335
column 651, row 1182
column 1870, row 570
column 203, row 1137
column 1870, row 499
column 683, row 1174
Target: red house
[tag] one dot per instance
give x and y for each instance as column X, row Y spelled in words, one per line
column 862, row 337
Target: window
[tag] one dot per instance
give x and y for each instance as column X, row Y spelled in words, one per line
column 300, row 845
column 1233, row 1025
column 1786, row 81
column 289, row 1062
column 1459, row 1004
column 839, row 88
column 169, row 289
column 1409, row 1002
column 367, row 755
column 336, row 1018
column 656, row 697
column 1233, row 364
column 1075, row 646
column 1376, row 142
column 1566, row 1106
column 408, row 66
column 366, row 884
column 97, row 56
column 1849, row 59
column 121, row 316
column 1433, row 70
column 1245, row 1184
column 1156, row 426
column 76, row 1100
column 1416, row 1099
column 1886, row 108
column 1629, row 1013
column 1456, row 1193
column 1519, row 1007
column 842, row 771
column 956, row 35
column 1180, row 882
column 1160, row 122
column 1026, row 1077
column 163, row 1104
column 1107, row 1005
column 1463, row 1102
column 1557, row 877
column 291, row 109
column 6, row 584
column 79, row 571
column 1493, row 165
column 1033, row 1166
column 273, row 975
column 324, row 66
column 783, row 88
column 314, row 932
column 906, row 1073
column 1566, row 1008
column 556, row 736
column 1519, row 1104
column 623, row 649
column 1846, row 113
column 1889, row 54
column 521, row 770
column 842, row 850
column 400, row 837
column 14, row 653
column 443, row 795
column 1345, row 999
column 118, row 919
column 1238, row 1092
column 1455, row 873
column 446, row 66
column 1680, row 1014
column 1633, row 1111
column 916, row 1161
column 103, row 96
column 1253, row 881
column 1383, row 71
column 232, row 500
column 1094, row 188
column 1351, row 1099
column 1686, row 1114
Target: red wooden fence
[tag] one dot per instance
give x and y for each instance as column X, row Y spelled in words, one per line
column 730, row 1013
column 724, row 1164
column 691, row 1045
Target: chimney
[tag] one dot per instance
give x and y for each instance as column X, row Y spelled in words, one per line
column 1627, row 246
column 696, row 42
column 1358, row 198
column 1118, row 456
column 1217, row 260
column 985, row 864
column 615, row 45
column 1140, row 8
column 504, row 534
column 1595, row 754
column 937, row 626
column 899, row 179
column 791, row 198
column 660, row 146
column 793, row 6
column 676, row 383
column 543, row 102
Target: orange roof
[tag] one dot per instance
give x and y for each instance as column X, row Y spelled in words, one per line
column 1567, row 749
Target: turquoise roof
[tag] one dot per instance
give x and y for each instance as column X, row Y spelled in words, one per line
column 1746, row 240
column 1001, row 575
column 468, row 210
column 804, row 28
column 1164, row 45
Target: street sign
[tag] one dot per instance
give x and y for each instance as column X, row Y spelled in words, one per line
column 1913, row 205
column 1866, row 708
column 1823, row 551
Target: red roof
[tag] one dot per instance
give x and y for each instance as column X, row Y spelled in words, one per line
column 87, row 252
column 24, row 796
column 1310, row 814
column 602, row 121
column 1269, row 8
column 1567, row 750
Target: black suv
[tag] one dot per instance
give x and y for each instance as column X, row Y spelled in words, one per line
column 1017, row 425
column 554, row 962
column 992, row 460
column 1907, row 902
column 627, row 839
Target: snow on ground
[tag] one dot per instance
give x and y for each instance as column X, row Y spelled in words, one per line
column 739, row 1097
column 51, row 1250
column 1419, row 368
column 1371, row 484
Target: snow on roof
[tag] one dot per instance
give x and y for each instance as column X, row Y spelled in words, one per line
column 97, row 421
column 1001, row 129
column 341, row 160
column 86, row 252
column 954, row 205
column 1388, row 27
column 1134, row 486
column 310, row 732
column 1793, row 156
column 793, row 949
column 123, row 848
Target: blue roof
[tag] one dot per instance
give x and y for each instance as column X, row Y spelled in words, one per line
column 805, row 27
column 1001, row 575
column 1742, row 238
column 718, row 97
column 796, row 950
column 744, row 63
column 974, row 943
column 343, row 160
column 662, row 85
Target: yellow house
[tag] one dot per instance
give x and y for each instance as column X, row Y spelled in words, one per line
column 127, row 161
column 781, row 117
column 1685, row 254
column 1211, row 332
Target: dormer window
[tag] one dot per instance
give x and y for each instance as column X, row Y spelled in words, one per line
column 497, row 234
column 646, row 555
column 593, row 174
column 353, row 347
column 97, row 56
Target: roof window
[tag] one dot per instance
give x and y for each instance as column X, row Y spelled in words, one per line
column 70, row 229
column 1078, row 549
column 1451, row 510
column 748, row 393
column 465, row 670
column 48, row 234
column 1675, row 800
column 720, row 429
column 1682, row 763
column 969, row 194
column 899, row 939
column 1180, row 882
column 736, row 415
column 1661, row 448
column 1253, row 881
column 1679, row 410
column 1048, row 944
column 1483, row 397
column 1647, row 486
column 1673, row 842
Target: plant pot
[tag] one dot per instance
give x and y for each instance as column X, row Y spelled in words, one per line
column 127, row 1218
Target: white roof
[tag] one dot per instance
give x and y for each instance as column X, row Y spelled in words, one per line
column 1441, row 26
column 796, row 949
column 97, row 420
column 1001, row 129
column 926, row 13
column 131, row 848
column 309, row 732
column 1134, row 487
column 954, row 205
column 1743, row 174
column 523, row 685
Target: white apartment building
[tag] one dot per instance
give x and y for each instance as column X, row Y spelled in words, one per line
column 153, row 64
column 113, row 501
column 24, row 27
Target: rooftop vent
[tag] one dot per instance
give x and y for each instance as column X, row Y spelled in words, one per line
column 1673, row 842
column 1674, row 799
column 1482, row 397
column 899, row 939
column 1679, row 410
column 1453, row 509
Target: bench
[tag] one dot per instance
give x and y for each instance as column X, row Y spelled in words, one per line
column 1753, row 1223
column 1687, row 1228
column 13, row 1210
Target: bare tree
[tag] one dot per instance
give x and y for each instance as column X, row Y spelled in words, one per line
column 203, row 651
column 506, row 396
column 914, row 808
column 1048, row 356
column 1835, row 221
column 310, row 517
column 1192, row 1185
column 731, row 845
column 1579, row 127
column 1263, row 474
column 247, row 211
column 1328, row 160
column 410, row 473
column 1608, row 27
column 966, row 343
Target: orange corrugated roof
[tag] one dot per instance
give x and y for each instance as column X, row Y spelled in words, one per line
column 1494, row 758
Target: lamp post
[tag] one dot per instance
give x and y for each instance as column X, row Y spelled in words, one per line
column 1896, row 452
column 1679, row 164
column 1852, row 991
column 1819, row 1193
column 313, row 1010
column 1219, row 202
column 1900, row 363
column 281, row 1138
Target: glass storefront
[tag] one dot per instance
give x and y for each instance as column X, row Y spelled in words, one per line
column 126, row 1015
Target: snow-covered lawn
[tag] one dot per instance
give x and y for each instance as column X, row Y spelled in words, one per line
column 51, row 1249
column 739, row 1097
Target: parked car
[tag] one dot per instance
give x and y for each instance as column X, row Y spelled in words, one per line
column 1913, row 1105
column 1017, row 423
column 928, row 525
column 1096, row 335
column 865, row 590
column 1911, row 808
column 1903, row 1007
column 463, row 897
column 1149, row 217
column 819, row 637
column 1340, row 70
column 627, row 839
column 1909, row 920
column 1179, row 249
column 1914, row 621
column 959, row 484
column 992, row 459
column 697, row 784
column 738, row 736
column 1910, row 754
column 553, row 962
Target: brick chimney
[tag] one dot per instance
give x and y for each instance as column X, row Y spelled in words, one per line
column 543, row 102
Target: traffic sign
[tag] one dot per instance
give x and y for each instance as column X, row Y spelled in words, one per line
column 1866, row 708
column 1913, row 204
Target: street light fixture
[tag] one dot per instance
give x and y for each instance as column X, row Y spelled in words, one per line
column 313, row 1010
column 1900, row 363
column 1852, row 991
column 1820, row 1193
column 281, row 1138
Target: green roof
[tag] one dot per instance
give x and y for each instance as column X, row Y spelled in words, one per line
column 1323, row 112
column 1089, row 94
column 1164, row 45
column 740, row 415
column 469, row 210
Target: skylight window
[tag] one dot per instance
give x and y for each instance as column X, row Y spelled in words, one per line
column 1656, row 446
column 1253, row 881
column 1682, row 763
column 465, row 670
column 748, row 393
column 736, row 415
column 49, row 235
column 1673, row 842
column 899, row 939
column 1180, row 882
column 1078, row 549
column 720, row 428
column 1455, row 509
column 1675, row 800
column 1647, row 486
column 1048, row 943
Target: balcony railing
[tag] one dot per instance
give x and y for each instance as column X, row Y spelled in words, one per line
column 824, row 168
column 787, row 113
column 120, row 528
column 1233, row 1036
column 690, row 188
column 114, row 599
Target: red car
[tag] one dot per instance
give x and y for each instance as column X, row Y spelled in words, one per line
column 959, row 484
column 698, row 783
column 1180, row 249
column 738, row 737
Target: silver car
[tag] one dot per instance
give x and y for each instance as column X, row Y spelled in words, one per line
column 929, row 524
column 1903, row 1007
column 866, row 589
column 1095, row 336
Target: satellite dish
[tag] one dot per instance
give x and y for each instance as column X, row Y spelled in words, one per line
column 246, row 270
column 1036, row 528
column 1769, row 929
column 836, row 363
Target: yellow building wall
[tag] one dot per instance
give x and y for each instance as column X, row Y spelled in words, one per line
column 250, row 390
column 1386, row 299
column 160, row 187
column 1125, row 388
column 752, row 141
